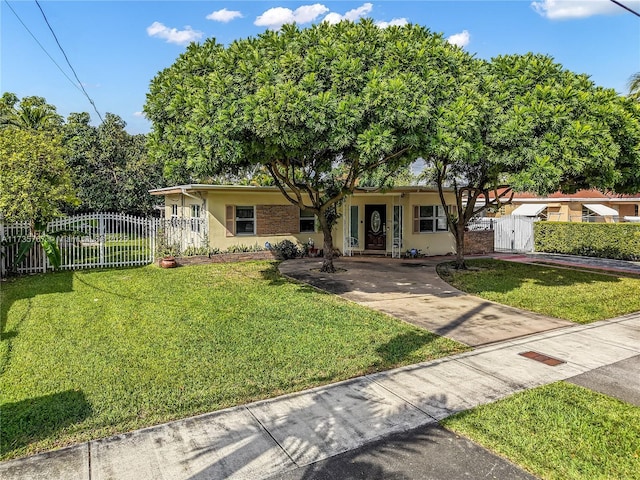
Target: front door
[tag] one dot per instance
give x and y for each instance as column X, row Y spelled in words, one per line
column 375, row 227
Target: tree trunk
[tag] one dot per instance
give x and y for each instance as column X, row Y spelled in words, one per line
column 327, row 262
column 459, row 235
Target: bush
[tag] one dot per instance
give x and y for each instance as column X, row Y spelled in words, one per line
column 286, row 249
column 243, row 249
column 605, row 240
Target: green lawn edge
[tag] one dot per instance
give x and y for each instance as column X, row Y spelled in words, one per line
column 576, row 295
column 558, row 431
column 92, row 353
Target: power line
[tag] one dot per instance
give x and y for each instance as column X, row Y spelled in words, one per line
column 626, row 8
column 68, row 62
column 41, row 46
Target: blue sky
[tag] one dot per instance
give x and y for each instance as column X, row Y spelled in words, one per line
column 117, row 47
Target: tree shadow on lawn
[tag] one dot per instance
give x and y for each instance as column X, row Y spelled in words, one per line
column 272, row 275
column 21, row 288
column 29, row 286
column 508, row 276
column 34, row 419
column 403, row 347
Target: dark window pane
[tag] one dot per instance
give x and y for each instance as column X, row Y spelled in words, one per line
column 307, row 225
column 426, row 211
column 426, row 225
column 244, row 212
column 244, row 226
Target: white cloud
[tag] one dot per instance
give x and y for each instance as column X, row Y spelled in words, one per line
column 563, row 9
column 393, row 23
column 139, row 114
column 333, row 18
column 173, row 35
column 355, row 14
column 274, row 18
column 460, row 39
column 224, row 15
column 308, row 13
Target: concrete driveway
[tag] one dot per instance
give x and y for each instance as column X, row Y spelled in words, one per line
column 410, row 289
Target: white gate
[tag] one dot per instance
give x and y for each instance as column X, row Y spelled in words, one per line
column 94, row 240
column 513, row 233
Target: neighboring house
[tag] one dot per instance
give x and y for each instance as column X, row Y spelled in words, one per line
column 389, row 222
column 582, row 206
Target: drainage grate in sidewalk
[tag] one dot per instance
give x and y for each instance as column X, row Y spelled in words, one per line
column 540, row 357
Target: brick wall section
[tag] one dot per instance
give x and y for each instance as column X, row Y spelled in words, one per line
column 277, row 219
column 478, row 242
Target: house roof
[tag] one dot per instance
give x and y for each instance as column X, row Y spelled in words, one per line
column 197, row 187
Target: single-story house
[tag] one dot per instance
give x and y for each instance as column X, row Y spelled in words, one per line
column 582, row 206
column 390, row 222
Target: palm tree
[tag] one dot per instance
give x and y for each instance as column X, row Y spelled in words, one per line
column 32, row 113
column 634, row 87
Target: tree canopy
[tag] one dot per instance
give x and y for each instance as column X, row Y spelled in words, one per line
column 112, row 171
column 35, row 183
column 524, row 123
column 320, row 108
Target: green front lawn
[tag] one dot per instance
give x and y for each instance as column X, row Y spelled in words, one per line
column 91, row 353
column 579, row 296
column 559, row 431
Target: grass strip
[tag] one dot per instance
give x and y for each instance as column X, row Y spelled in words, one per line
column 560, row 431
column 576, row 295
column 91, row 353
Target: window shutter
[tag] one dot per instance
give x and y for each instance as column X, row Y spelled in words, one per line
column 230, row 220
column 416, row 219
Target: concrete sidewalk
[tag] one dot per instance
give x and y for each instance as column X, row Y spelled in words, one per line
column 278, row 436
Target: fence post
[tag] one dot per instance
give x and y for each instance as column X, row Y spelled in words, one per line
column 102, row 237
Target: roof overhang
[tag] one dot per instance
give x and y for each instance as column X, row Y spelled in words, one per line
column 600, row 209
column 529, row 209
column 192, row 188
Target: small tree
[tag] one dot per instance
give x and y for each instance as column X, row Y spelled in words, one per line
column 319, row 108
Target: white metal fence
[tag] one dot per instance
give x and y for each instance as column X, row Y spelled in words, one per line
column 97, row 240
column 94, row 240
column 512, row 233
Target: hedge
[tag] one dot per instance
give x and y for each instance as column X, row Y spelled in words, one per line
column 605, row 240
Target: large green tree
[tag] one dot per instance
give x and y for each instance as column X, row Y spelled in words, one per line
column 111, row 168
column 35, row 183
column 320, row 108
column 524, row 123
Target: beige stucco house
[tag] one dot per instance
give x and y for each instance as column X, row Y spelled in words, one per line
column 582, row 206
column 389, row 222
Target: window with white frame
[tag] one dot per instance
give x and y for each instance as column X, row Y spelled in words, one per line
column 195, row 218
column 245, row 220
column 307, row 222
column 174, row 210
column 430, row 219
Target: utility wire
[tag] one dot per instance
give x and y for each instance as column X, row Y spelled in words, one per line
column 41, row 46
column 626, row 8
column 68, row 62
